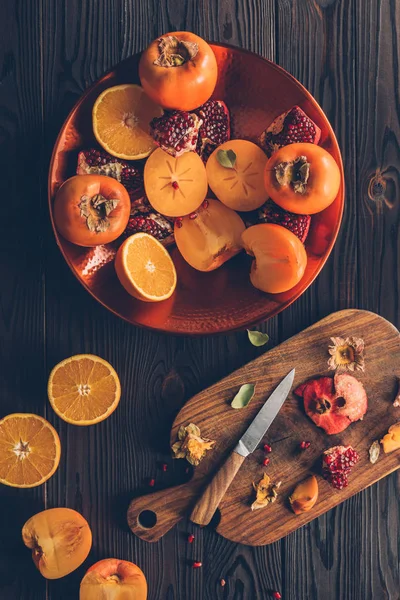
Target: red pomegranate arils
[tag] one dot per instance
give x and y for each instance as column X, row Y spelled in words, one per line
column 178, row 222
column 276, row 595
column 176, row 132
column 196, row 564
column 164, row 467
column 290, row 127
column 305, row 445
column 152, row 482
column 266, row 462
column 267, row 448
column 191, row 538
column 215, row 128
column 272, row 213
column 205, row 204
column 337, row 462
column 193, row 215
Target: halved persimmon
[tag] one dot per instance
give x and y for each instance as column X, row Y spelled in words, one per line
column 280, row 257
column 29, row 450
column 302, row 178
column 175, row 186
column 113, row 579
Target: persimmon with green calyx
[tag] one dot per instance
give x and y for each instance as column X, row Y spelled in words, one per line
column 90, row 210
column 178, row 70
column 210, row 236
column 113, row 579
column 235, row 172
column 280, row 257
column 302, row 178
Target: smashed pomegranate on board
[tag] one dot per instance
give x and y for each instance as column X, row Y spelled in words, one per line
column 337, row 462
column 272, row 213
column 333, row 404
column 290, row 127
column 215, row 128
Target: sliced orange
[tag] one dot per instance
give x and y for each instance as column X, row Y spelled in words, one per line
column 145, row 268
column 121, row 121
column 30, row 450
column 84, row 389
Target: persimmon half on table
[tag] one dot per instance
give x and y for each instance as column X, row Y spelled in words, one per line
column 113, row 579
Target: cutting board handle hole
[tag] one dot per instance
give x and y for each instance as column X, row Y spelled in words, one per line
column 147, row 519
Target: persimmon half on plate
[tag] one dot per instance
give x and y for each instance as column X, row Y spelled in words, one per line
column 256, row 92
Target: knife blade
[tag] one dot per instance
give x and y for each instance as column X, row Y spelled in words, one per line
column 216, row 489
column 262, row 421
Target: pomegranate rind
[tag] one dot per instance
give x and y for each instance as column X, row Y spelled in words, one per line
column 333, row 404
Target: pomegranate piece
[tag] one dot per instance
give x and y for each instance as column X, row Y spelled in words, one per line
column 272, row 213
column 151, row 223
column 337, row 462
column 99, row 162
column 290, row 127
column 333, row 404
column 215, row 129
column 176, row 132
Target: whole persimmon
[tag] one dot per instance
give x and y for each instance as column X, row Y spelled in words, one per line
column 60, row 539
column 178, row 70
column 113, row 578
column 280, row 257
column 90, row 210
column 302, row 178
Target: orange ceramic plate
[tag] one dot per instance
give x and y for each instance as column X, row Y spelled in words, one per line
column 256, row 91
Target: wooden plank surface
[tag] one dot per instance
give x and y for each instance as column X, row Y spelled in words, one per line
column 347, row 54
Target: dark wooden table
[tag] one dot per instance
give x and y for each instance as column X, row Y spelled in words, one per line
column 346, row 52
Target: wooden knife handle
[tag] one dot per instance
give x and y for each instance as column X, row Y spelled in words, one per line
column 208, row 503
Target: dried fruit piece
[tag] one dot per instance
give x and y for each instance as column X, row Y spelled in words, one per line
column 333, row 404
column 337, row 462
column 290, row 127
column 242, row 187
column 176, row 132
column 266, row 492
column 391, row 441
column 210, row 239
column 346, row 353
column 304, row 495
column 114, row 579
column 215, row 129
column 191, row 445
column 243, row 396
column 272, row 213
column 60, row 539
column 374, row 452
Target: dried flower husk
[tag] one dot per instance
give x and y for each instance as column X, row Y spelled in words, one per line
column 266, row 492
column 191, row 445
column 347, row 353
column 374, row 452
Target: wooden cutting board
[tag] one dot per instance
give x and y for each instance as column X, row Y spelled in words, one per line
column 211, row 411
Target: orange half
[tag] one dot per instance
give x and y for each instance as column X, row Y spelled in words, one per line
column 30, row 450
column 121, row 121
column 145, row 268
column 84, row 389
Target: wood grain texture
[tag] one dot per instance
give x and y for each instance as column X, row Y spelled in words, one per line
column 347, row 54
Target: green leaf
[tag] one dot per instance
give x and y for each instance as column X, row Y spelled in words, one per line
column 226, row 158
column 258, row 338
column 244, row 395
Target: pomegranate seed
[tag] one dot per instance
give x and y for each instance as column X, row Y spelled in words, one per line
column 267, row 448
column 305, row 445
column 197, row 564
column 193, row 215
column 266, row 462
column 206, row 205
column 152, row 482
column 222, row 582
column 191, row 538
column 178, row 222
column 165, row 467
column 276, row 595
column 175, row 185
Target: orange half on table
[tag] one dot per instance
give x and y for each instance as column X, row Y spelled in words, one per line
column 121, row 121
column 84, row 389
column 30, row 450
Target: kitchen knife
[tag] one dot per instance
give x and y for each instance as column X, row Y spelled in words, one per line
column 216, row 489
